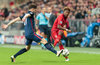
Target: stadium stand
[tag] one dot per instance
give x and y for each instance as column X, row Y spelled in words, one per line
column 83, row 13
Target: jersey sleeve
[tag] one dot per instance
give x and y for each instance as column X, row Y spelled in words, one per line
column 22, row 16
column 31, row 13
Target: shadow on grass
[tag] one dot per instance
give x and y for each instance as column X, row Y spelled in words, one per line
column 53, row 61
column 14, row 63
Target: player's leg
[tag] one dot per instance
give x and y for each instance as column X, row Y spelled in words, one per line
column 23, row 50
column 58, row 38
column 48, row 35
column 42, row 32
column 55, row 36
column 50, row 48
column 43, row 47
column 46, row 31
column 40, row 39
column 61, row 47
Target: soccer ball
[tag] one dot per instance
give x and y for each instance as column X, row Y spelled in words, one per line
column 65, row 52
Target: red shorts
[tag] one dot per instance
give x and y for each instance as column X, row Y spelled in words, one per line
column 54, row 34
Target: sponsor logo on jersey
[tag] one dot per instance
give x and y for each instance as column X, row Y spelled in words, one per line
column 61, row 22
column 56, row 36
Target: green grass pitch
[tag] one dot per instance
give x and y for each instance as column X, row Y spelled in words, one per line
column 44, row 57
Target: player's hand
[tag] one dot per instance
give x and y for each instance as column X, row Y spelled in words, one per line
column 68, row 30
column 4, row 26
column 24, row 19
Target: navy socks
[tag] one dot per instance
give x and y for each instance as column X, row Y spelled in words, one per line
column 50, row 48
column 20, row 52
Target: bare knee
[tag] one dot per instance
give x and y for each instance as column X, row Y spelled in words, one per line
column 28, row 47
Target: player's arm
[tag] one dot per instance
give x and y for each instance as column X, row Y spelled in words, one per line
column 25, row 16
column 37, row 22
column 37, row 19
column 46, row 17
column 4, row 26
column 60, row 27
column 67, row 26
column 60, row 22
column 63, row 28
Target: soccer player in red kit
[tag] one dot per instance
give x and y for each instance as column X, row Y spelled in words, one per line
column 60, row 25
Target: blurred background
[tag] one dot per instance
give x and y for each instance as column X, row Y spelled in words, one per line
column 84, row 20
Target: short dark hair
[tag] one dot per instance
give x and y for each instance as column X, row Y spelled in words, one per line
column 66, row 8
column 32, row 6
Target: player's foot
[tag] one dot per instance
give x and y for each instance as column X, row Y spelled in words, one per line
column 59, row 52
column 12, row 59
column 67, row 59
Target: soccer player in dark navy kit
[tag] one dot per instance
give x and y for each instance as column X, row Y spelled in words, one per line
column 30, row 34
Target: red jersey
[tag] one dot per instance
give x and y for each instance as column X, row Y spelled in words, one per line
column 60, row 20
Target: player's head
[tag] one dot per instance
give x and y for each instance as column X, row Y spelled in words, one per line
column 33, row 8
column 66, row 11
column 43, row 10
column 49, row 9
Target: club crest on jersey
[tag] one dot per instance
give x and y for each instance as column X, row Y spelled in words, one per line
column 61, row 22
column 56, row 36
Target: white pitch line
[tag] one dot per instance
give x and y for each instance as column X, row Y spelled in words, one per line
column 88, row 52
column 72, row 50
column 13, row 46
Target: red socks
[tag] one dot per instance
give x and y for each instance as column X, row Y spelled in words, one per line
column 66, row 57
column 61, row 47
column 56, row 41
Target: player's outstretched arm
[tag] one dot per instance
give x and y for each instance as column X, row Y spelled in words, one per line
column 68, row 30
column 60, row 27
column 63, row 28
column 26, row 16
column 4, row 26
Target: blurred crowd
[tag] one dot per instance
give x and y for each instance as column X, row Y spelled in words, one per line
column 80, row 9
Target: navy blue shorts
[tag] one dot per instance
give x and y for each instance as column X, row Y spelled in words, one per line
column 43, row 28
column 33, row 37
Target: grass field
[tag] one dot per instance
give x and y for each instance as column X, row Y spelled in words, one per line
column 36, row 56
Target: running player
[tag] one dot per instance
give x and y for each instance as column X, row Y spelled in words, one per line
column 30, row 34
column 60, row 25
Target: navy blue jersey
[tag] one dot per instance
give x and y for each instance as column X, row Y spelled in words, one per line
column 29, row 24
